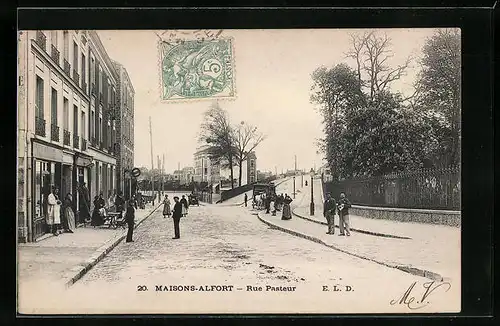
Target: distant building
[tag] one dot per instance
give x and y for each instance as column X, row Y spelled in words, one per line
column 251, row 168
column 204, row 169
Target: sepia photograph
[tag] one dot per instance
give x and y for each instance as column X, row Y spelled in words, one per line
column 241, row 171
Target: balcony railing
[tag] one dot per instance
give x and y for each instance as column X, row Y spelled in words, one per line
column 92, row 89
column 76, row 77
column 67, row 136
column 54, row 132
column 84, row 144
column 76, row 141
column 41, row 40
column 39, row 126
column 67, row 67
column 84, row 86
column 54, row 54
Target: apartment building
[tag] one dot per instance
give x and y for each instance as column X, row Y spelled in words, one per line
column 65, row 132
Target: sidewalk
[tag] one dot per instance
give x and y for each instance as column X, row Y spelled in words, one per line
column 66, row 258
column 433, row 252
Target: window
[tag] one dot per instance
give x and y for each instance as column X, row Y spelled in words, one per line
column 92, row 70
column 75, row 56
column 100, row 129
column 84, row 75
column 66, row 45
column 83, row 124
column 53, row 107
column 53, row 36
column 66, row 114
column 92, row 124
column 100, row 81
column 39, row 98
column 75, row 120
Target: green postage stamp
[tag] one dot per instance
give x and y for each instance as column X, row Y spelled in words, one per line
column 197, row 69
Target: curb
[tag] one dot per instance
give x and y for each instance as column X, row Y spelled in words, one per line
column 384, row 235
column 407, row 269
column 80, row 270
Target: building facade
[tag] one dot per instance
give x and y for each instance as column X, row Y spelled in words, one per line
column 251, row 168
column 125, row 128
column 204, row 169
column 59, row 143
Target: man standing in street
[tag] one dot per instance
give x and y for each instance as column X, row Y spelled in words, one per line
column 343, row 208
column 246, row 199
column 130, row 218
column 84, row 203
column 329, row 213
column 176, row 215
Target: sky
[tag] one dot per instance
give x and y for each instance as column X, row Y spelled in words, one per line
column 273, row 81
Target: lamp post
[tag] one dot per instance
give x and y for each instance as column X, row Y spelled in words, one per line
column 311, row 206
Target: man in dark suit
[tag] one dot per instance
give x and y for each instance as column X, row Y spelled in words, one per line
column 329, row 208
column 246, row 199
column 176, row 215
column 120, row 203
column 130, row 218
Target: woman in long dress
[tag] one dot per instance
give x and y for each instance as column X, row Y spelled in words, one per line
column 287, row 212
column 166, row 207
column 54, row 210
column 69, row 214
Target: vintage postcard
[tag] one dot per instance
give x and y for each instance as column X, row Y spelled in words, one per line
column 239, row 171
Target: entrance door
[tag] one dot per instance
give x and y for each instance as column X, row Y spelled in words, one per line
column 66, row 181
column 42, row 181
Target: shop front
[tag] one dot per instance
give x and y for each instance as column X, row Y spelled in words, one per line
column 82, row 165
column 47, row 171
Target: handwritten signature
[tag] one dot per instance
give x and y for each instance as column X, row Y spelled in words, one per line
column 410, row 299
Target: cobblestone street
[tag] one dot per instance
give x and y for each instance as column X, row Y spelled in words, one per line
column 229, row 246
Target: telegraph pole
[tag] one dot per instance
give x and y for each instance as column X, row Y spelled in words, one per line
column 294, row 173
column 162, row 174
column 152, row 166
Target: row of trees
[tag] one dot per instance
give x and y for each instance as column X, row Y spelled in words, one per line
column 371, row 130
column 228, row 144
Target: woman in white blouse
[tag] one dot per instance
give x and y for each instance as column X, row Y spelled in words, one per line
column 54, row 210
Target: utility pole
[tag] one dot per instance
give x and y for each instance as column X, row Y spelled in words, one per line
column 152, row 166
column 294, row 173
column 162, row 174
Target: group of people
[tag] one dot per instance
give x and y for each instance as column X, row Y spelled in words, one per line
column 180, row 209
column 274, row 203
column 330, row 207
column 60, row 216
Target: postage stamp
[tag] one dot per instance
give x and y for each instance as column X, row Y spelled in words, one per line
column 197, row 69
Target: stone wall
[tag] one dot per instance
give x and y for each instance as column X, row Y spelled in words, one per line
column 441, row 217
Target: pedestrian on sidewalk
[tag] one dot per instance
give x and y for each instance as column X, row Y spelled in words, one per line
column 120, row 203
column 166, row 207
column 98, row 213
column 69, row 215
column 130, row 218
column 84, row 203
column 343, row 208
column 184, row 208
column 329, row 208
column 176, row 215
column 54, row 211
column 246, row 199
column 287, row 212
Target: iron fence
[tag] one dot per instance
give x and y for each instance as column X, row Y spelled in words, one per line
column 422, row 189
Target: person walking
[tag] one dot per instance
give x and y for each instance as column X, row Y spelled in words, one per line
column 69, row 215
column 176, row 215
column 343, row 208
column 166, row 207
column 184, row 206
column 130, row 218
column 98, row 213
column 287, row 211
column 246, row 199
column 54, row 211
column 329, row 208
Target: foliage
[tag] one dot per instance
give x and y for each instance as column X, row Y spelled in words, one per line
column 246, row 140
column 372, row 131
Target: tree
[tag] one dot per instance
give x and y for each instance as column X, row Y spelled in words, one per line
column 371, row 53
column 217, row 133
column 247, row 139
column 338, row 93
column 440, row 87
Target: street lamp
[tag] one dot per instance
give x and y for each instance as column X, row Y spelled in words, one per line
column 311, row 206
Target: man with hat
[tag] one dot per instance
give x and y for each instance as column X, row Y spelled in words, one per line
column 329, row 208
